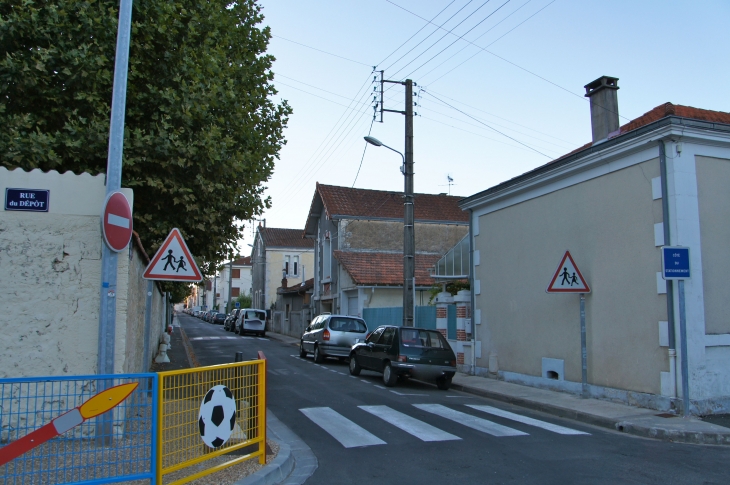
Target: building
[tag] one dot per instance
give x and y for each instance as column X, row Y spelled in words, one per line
column 358, row 240
column 661, row 179
column 293, row 312
column 239, row 271
column 276, row 254
column 50, row 279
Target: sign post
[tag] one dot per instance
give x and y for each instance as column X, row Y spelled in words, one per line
column 675, row 266
column 569, row 279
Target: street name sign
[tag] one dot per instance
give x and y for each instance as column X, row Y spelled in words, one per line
column 116, row 221
column 29, row 200
column 568, row 278
column 173, row 261
column 675, row 263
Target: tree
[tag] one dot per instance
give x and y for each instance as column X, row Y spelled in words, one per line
column 244, row 300
column 201, row 129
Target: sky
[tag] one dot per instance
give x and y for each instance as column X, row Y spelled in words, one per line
column 500, row 85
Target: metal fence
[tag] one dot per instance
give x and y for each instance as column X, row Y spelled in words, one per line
column 425, row 317
column 59, row 430
column 208, row 412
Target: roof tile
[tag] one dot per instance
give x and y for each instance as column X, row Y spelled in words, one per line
column 368, row 268
column 285, row 238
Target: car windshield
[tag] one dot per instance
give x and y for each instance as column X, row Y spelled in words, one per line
column 347, row 325
column 413, row 337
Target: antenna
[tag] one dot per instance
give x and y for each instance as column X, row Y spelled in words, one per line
column 449, row 182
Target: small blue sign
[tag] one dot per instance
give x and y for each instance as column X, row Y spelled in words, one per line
column 238, row 304
column 675, row 263
column 32, row 200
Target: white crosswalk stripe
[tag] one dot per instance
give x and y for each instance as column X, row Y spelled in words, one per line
column 473, row 422
column 524, row 419
column 349, row 434
column 413, row 426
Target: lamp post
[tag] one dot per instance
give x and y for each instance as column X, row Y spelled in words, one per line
column 409, row 245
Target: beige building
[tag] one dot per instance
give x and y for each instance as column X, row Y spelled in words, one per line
column 50, row 279
column 277, row 254
column 661, row 179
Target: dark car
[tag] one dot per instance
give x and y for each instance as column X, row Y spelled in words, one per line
column 218, row 318
column 405, row 352
column 231, row 320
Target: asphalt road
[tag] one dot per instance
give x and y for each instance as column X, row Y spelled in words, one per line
column 362, row 432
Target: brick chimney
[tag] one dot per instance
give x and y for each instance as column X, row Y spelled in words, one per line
column 604, row 106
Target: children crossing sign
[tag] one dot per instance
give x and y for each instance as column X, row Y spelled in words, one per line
column 173, row 261
column 568, row 278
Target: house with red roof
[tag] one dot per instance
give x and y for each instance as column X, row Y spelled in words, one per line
column 278, row 254
column 659, row 180
column 358, row 245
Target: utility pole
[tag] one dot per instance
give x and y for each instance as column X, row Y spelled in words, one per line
column 409, row 238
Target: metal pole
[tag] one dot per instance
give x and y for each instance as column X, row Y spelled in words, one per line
column 583, row 351
column 230, row 286
column 409, row 244
column 147, row 326
column 683, row 344
column 108, row 304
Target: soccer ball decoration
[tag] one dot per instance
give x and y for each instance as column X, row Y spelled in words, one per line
column 217, row 416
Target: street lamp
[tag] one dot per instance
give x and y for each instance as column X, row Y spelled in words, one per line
column 409, row 242
column 374, row 141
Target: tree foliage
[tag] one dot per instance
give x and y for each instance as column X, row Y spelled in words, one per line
column 201, row 132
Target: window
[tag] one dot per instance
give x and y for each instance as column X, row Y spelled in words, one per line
column 236, row 273
column 287, row 311
column 291, row 265
column 422, row 338
column 235, row 292
column 295, row 267
column 375, row 335
column 387, row 338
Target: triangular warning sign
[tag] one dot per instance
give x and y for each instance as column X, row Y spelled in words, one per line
column 173, row 261
column 567, row 278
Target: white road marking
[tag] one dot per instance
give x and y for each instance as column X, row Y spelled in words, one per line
column 380, row 387
column 366, row 382
column 413, row 426
column 470, row 421
column 342, row 373
column 524, row 419
column 349, row 434
column 402, row 394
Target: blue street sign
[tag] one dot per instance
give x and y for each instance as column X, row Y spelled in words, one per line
column 675, row 263
column 32, row 200
column 238, row 304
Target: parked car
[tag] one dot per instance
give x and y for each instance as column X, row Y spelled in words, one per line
column 218, row 318
column 230, row 322
column 405, row 352
column 332, row 336
column 251, row 321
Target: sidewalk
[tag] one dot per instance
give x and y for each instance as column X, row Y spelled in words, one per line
column 648, row 423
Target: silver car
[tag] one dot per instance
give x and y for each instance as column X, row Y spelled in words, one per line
column 332, row 336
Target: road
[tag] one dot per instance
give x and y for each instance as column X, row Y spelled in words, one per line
column 362, row 432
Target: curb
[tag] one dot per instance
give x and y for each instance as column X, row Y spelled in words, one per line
column 274, row 472
column 628, row 427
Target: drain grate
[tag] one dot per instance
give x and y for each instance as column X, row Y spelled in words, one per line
column 666, row 415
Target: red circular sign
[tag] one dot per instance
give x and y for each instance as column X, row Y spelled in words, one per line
column 116, row 221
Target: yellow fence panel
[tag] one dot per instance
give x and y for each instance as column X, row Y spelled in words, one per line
column 206, row 412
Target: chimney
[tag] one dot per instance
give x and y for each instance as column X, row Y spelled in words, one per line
column 604, row 106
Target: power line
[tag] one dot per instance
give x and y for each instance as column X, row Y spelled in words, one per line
column 429, row 35
column 322, row 51
column 504, row 59
column 457, row 40
column 483, row 123
column 363, row 152
column 417, row 32
column 488, row 45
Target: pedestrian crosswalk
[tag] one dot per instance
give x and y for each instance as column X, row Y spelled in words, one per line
column 353, row 435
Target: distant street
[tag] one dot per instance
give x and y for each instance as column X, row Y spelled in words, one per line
column 363, row 432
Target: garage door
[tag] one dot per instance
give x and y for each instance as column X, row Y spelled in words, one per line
column 352, row 306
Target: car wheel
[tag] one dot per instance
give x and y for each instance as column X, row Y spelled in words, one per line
column 389, row 377
column 263, row 334
column 302, row 352
column 354, row 366
column 318, row 357
column 444, row 383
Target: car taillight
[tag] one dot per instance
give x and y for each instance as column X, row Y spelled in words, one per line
column 402, row 358
column 326, row 335
column 452, row 363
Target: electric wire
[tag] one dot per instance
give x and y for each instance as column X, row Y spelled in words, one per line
column 579, row 96
column 363, row 152
column 485, row 124
column 320, row 50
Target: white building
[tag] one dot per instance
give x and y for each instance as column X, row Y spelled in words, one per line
column 239, row 272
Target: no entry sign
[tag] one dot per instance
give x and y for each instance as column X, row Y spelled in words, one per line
column 116, row 222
